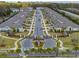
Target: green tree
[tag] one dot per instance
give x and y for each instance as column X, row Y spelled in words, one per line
column 49, row 50
column 27, row 51
column 18, row 51
column 76, row 49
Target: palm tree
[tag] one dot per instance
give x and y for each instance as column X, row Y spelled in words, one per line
column 57, row 45
column 76, row 49
column 51, row 30
column 56, row 51
column 27, row 51
column 32, row 50
column 18, row 50
column 68, row 52
column 75, row 44
column 49, row 50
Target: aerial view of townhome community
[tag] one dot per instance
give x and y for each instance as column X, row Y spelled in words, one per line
column 39, row 29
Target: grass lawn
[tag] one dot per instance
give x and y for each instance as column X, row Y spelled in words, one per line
column 76, row 36
column 3, row 55
column 9, row 55
column 67, row 41
column 6, row 43
column 4, row 34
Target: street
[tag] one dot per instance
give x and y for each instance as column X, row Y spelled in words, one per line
column 16, row 20
column 39, row 29
column 60, row 21
column 49, row 42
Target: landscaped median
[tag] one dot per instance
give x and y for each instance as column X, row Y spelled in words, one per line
column 38, row 42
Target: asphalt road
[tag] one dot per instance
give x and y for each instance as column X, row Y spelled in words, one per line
column 16, row 20
column 27, row 42
column 38, row 28
column 49, row 42
column 60, row 21
column 52, row 54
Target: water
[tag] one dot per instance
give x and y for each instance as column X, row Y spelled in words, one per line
column 26, row 44
column 49, row 43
